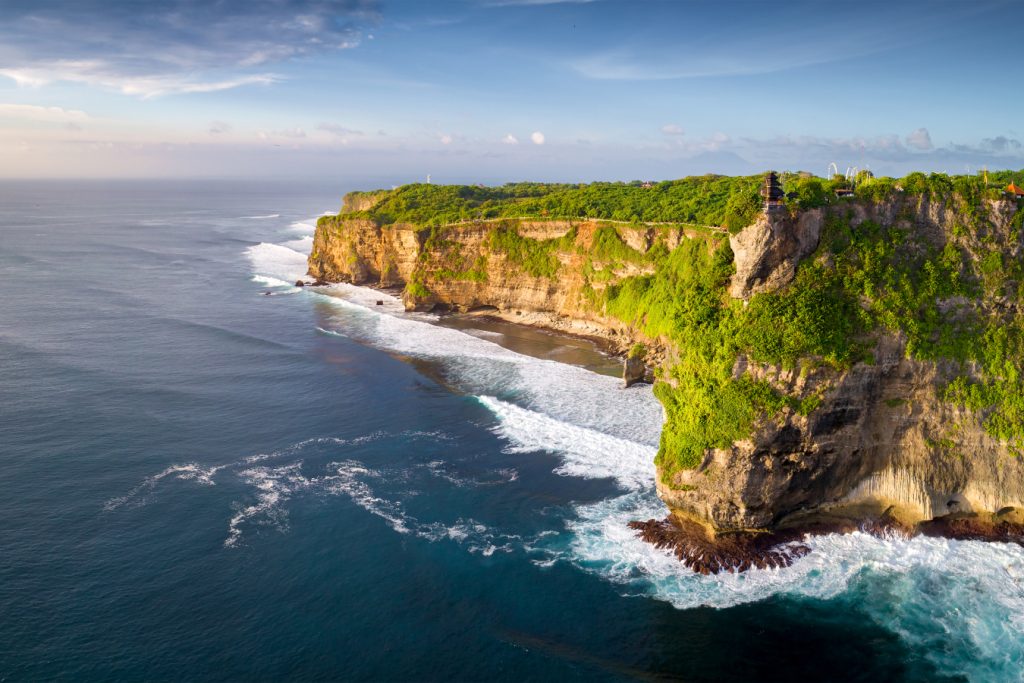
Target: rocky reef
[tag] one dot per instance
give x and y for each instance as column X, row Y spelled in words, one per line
column 853, row 364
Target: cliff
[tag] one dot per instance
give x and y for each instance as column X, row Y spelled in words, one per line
column 847, row 360
column 551, row 273
column 894, row 429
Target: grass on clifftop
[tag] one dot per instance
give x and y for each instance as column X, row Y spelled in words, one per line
column 951, row 296
column 703, row 200
column 685, row 300
column 935, row 293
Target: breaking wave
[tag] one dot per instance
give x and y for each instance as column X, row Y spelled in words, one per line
column 277, row 261
column 961, row 603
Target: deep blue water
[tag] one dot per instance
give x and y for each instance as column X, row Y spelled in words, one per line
column 202, row 482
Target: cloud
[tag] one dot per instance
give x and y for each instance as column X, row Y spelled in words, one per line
column 510, row 139
column 219, row 128
column 537, row 137
column 339, row 130
column 294, row 133
column 672, row 129
column 1000, row 143
column 920, row 139
column 174, row 46
column 445, row 139
column 31, row 112
column 99, row 73
column 762, row 38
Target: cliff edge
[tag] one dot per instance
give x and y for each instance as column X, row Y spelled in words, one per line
column 835, row 360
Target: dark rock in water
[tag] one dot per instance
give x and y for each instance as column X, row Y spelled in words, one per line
column 972, row 527
column 268, row 293
column 300, row 283
column 733, row 552
column 634, row 371
column 708, row 553
column 380, row 302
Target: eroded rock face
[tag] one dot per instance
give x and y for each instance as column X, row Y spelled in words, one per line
column 879, row 439
column 360, row 252
column 767, row 253
column 460, row 271
column 882, row 437
column 634, row 371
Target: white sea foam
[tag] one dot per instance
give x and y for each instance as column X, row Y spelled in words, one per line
column 569, row 394
column 138, row 496
column 270, row 281
column 961, row 603
column 303, row 245
column 303, row 226
column 273, row 485
column 586, row 452
column 264, row 217
column 277, row 261
column 276, row 477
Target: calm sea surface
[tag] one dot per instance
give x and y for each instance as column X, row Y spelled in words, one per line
column 199, row 481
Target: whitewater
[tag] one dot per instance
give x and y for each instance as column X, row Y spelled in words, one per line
column 960, row 602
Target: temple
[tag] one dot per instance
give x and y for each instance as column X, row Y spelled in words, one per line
column 772, row 192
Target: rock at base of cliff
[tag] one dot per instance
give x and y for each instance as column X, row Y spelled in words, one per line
column 705, row 552
column 635, row 371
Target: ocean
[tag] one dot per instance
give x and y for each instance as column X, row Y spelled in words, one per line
column 207, row 473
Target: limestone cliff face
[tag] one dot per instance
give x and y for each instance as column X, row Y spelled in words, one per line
column 360, row 252
column 459, row 268
column 881, row 435
column 768, row 252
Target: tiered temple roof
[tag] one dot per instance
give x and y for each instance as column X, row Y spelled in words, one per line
column 772, row 190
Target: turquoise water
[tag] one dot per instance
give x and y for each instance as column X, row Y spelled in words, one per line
column 200, row 481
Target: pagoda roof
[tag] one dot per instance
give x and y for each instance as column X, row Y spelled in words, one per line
column 1013, row 189
column 772, row 189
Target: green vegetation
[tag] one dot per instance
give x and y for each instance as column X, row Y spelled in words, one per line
column 702, row 200
column 685, row 301
column 536, row 257
column 442, row 259
column 863, row 282
column 417, row 289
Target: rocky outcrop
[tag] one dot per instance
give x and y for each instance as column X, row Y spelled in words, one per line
column 458, row 268
column 880, row 439
column 634, row 371
column 880, row 442
column 767, row 253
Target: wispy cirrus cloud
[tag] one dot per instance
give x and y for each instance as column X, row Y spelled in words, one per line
column 103, row 74
column 172, row 47
column 31, row 112
column 770, row 38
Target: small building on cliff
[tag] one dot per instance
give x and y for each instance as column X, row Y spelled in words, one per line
column 772, row 192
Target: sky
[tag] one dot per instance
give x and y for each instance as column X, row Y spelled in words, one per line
column 498, row 90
